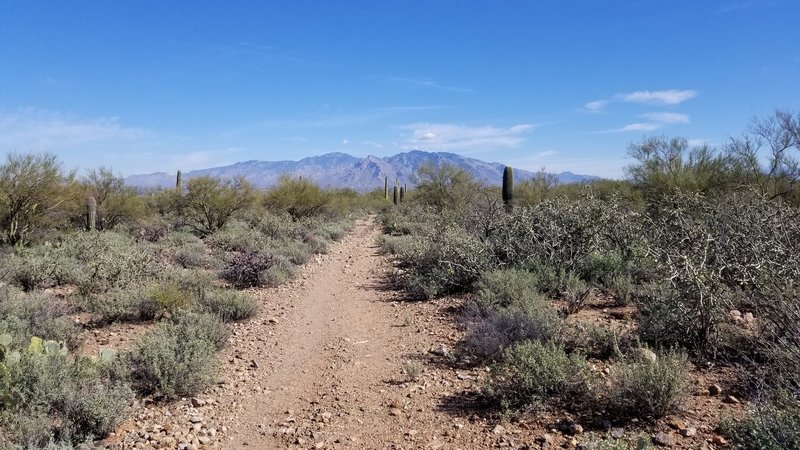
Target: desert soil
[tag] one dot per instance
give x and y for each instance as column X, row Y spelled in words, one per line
column 337, row 360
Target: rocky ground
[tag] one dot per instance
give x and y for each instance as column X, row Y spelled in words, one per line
column 337, row 360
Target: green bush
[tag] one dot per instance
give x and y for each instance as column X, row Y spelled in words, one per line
column 110, row 260
column 178, row 358
column 504, row 288
column 52, row 394
column 237, row 236
column 444, row 261
column 193, row 256
column 298, row 197
column 766, row 427
column 493, row 330
column 648, row 390
column 27, row 315
column 230, row 306
column 169, row 297
column 119, row 305
column 531, row 373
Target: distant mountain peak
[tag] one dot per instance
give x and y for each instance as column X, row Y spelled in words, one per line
column 339, row 170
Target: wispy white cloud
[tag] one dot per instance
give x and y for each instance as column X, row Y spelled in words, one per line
column 645, row 126
column 665, row 97
column 666, row 117
column 428, row 83
column 437, row 136
column 596, row 106
column 345, row 141
column 40, row 130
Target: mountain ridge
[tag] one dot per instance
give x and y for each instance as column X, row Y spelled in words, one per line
column 342, row 170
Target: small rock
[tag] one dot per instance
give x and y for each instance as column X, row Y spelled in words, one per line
column 440, row 350
column 719, row 440
column 254, row 364
column 715, row 389
column 677, row 424
column 689, row 432
column 205, row 440
column 197, row 402
column 731, row 399
column 395, row 412
column 665, row 439
column 498, row 429
column 617, row 433
column 196, row 419
column 646, row 355
column 573, row 429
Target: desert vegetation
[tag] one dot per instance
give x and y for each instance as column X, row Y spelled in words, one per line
column 697, row 251
column 82, row 253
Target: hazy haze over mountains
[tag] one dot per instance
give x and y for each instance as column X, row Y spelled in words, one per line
column 340, row 170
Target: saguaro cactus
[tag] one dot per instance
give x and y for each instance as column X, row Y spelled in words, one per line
column 386, row 188
column 179, row 183
column 396, row 195
column 91, row 213
column 402, row 193
column 508, row 186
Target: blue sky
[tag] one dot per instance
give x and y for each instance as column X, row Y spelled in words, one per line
column 144, row 86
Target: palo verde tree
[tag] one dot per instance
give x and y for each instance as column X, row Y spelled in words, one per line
column 32, row 191
column 668, row 165
column 209, row 202
column 116, row 202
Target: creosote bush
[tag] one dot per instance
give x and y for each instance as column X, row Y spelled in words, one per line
column 648, row 390
column 178, row 358
column 229, row 306
column 531, row 373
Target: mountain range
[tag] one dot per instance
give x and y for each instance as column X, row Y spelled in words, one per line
column 340, row 170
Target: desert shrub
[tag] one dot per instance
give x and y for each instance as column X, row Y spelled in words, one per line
column 668, row 317
column 279, row 273
column 169, row 297
column 118, row 305
column 622, row 288
column 531, row 373
column 493, row 330
column 294, row 251
column 646, row 389
column 109, row 260
column 767, row 427
column 194, row 282
column 229, row 306
column 576, row 293
column 178, row 358
column 152, row 230
column 504, row 288
column 73, row 399
column 600, row 268
column 245, row 269
column 444, row 261
column 388, row 245
column 274, row 225
column 236, row 236
column 334, row 231
column 606, row 342
column 27, row 315
column 193, row 256
column 42, row 266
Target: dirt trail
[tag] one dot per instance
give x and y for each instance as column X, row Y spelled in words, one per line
column 322, row 366
column 333, row 352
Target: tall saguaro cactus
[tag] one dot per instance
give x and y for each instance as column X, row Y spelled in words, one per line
column 396, row 196
column 91, row 213
column 386, row 188
column 179, row 183
column 402, row 193
column 508, row 186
